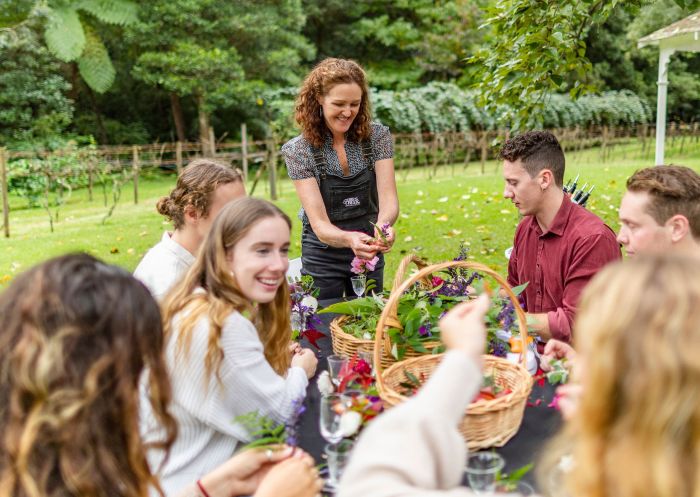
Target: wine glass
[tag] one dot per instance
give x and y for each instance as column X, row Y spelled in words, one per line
column 337, row 456
column 359, row 283
column 482, row 469
column 332, row 408
column 336, row 364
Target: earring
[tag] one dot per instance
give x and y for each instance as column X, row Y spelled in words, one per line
column 320, row 111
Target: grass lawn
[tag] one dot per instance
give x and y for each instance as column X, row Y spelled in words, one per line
column 439, row 209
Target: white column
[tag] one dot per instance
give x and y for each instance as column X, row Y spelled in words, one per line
column 664, row 57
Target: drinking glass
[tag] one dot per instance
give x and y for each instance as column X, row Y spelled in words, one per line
column 482, row 468
column 521, row 489
column 336, row 364
column 337, row 456
column 332, row 408
column 358, row 284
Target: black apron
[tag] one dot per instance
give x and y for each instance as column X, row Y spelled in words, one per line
column 351, row 202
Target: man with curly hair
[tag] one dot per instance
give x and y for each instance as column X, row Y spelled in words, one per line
column 661, row 211
column 559, row 246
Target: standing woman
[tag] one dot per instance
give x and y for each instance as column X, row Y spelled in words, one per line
column 228, row 340
column 343, row 170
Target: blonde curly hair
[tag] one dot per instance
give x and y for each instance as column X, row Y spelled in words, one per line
column 327, row 74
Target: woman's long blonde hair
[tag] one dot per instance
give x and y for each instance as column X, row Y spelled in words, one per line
column 222, row 296
column 76, row 336
column 637, row 428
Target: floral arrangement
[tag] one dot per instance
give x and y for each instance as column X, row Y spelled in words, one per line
column 357, row 381
column 382, row 232
column 304, row 303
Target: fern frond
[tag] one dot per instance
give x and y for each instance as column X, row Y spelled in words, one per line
column 120, row 12
column 65, row 37
column 95, row 65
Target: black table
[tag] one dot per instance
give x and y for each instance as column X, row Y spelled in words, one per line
column 539, row 422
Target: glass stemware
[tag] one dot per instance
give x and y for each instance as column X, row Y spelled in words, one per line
column 482, row 469
column 337, row 457
column 359, row 283
column 332, row 408
column 336, row 364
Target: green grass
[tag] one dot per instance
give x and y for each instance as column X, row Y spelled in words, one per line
column 438, row 210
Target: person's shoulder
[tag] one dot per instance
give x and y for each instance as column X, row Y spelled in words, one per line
column 379, row 130
column 588, row 224
column 295, row 143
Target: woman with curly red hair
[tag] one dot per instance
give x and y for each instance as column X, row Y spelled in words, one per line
column 343, row 170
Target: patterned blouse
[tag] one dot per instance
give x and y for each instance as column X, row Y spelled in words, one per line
column 300, row 160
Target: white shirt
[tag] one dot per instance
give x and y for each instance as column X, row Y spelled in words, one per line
column 205, row 409
column 163, row 266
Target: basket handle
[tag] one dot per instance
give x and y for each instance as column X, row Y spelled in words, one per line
column 393, row 319
column 385, row 318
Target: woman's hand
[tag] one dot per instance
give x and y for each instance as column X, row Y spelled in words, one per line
column 362, row 245
column 306, row 360
column 389, row 236
column 293, row 477
column 463, row 327
column 244, row 472
column 294, row 348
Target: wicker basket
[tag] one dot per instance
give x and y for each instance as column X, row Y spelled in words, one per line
column 347, row 345
column 487, row 423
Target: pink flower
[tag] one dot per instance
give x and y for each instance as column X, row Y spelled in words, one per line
column 362, row 266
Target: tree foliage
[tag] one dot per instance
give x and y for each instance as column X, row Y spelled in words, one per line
column 534, row 46
column 71, row 31
column 34, row 108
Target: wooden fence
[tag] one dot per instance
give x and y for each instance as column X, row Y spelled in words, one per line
column 257, row 157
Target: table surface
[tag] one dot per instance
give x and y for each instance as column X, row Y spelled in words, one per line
column 539, row 422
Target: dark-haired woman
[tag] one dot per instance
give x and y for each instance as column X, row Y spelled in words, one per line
column 202, row 190
column 76, row 337
column 343, row 170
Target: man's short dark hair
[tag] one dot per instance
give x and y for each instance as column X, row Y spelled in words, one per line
column 672, row 190
column 538, row 150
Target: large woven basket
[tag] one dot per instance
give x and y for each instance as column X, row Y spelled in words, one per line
column 486, row 423
column 347, row 345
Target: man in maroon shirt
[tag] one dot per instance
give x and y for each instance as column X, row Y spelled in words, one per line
column 559, row 246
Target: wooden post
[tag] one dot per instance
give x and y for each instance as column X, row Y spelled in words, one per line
column 91, row 167
column 5, row 201
column 178, row 157
column 212, row 142
column 484, row 150
column 272, row 168
column 244, row 151
column 135, row 168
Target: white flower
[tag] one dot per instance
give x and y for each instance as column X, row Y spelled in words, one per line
column 324, row 383
column 310, row 302
column 350, row 422
column 367, row 336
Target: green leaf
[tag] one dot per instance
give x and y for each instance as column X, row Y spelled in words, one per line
column 95, row 65
column 64, row 34
column 517, row 290
column 120, row 12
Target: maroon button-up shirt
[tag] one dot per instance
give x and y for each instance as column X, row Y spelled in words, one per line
column 559, row 263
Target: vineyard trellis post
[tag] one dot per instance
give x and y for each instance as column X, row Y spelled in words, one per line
column 178, row 157
column 244, row 150
column 135, row 169
column 272, row 168
column 5, row 201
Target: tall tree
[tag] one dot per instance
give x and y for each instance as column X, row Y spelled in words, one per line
column 218, row 52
